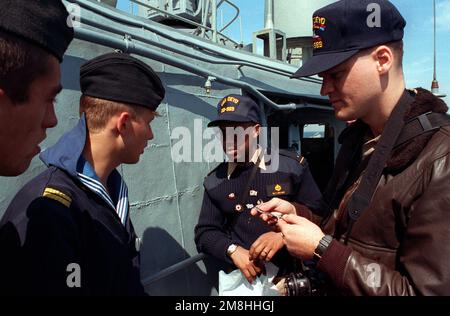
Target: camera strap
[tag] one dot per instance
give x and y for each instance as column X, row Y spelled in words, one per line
column 363, row 195
column 424, row 123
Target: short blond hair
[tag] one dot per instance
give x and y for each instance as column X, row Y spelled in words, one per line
column 99, row 111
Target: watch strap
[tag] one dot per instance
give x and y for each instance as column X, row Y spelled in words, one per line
column 322, row 246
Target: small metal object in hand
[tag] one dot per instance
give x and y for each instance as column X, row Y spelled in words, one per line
column 276, row 215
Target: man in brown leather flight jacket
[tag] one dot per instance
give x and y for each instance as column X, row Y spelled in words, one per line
column 398, row 242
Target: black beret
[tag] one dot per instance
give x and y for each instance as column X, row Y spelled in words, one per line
column 43, row 22
column 121, row 78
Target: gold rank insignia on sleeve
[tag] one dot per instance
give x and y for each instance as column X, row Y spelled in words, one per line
column 57, row 195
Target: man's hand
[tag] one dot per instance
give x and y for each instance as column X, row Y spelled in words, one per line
column 241, row 259
column 266, row 246
column 301, row 236
column 274, row 205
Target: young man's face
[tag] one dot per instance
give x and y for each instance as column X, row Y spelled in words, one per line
column 238, row 139
column 141, row 134
column 352, row 87
column 23, row 125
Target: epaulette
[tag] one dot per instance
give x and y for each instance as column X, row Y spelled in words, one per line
column 57, row 195
column 293, row 155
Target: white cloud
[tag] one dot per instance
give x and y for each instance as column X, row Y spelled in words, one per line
column 420, row 64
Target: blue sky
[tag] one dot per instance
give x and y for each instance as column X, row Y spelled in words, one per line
column 418, row 62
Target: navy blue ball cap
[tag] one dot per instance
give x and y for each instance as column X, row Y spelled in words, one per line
column 344, row 28
column 42, row 22
column 237, row 108
column 121, row 78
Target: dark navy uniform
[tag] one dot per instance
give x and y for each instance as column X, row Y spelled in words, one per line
column 56, row 220
column 224, row 220
column 225, row 217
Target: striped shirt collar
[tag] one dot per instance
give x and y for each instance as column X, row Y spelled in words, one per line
column 67, row 154
column 117, row 200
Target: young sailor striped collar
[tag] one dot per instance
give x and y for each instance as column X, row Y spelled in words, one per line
column 118, row 199
column 66, row 154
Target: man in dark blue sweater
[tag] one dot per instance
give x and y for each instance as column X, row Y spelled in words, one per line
column 225, row 229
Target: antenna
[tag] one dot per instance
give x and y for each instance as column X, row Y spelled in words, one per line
column 435, row 83
column 240, row 27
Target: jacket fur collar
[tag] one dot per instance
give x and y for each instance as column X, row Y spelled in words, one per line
column 404, row 155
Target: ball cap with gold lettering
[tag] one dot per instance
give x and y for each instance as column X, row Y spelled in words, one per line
column 237, row 108
column 345, row 27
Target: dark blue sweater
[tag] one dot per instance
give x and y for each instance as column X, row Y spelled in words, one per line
column 220, row 224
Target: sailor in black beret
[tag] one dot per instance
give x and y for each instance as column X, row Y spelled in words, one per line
column 122, row 78
column 80, row 209
column 33, row 38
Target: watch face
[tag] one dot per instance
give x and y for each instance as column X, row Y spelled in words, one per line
column 232, row 248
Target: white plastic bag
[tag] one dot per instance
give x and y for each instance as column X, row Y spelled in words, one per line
column 235, row 283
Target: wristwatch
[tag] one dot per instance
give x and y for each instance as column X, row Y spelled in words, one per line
column 231, row 248
column 323, row 245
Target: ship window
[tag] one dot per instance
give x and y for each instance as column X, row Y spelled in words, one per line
column 317, row 146
column 314, row 131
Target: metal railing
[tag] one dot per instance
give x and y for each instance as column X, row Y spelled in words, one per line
column 130, row 46
column 203, row 26
column 198, row 44
column 238, row 12
column 210, row 48
column 147, row 40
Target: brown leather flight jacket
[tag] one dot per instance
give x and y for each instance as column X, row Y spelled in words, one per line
column 401, row 243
